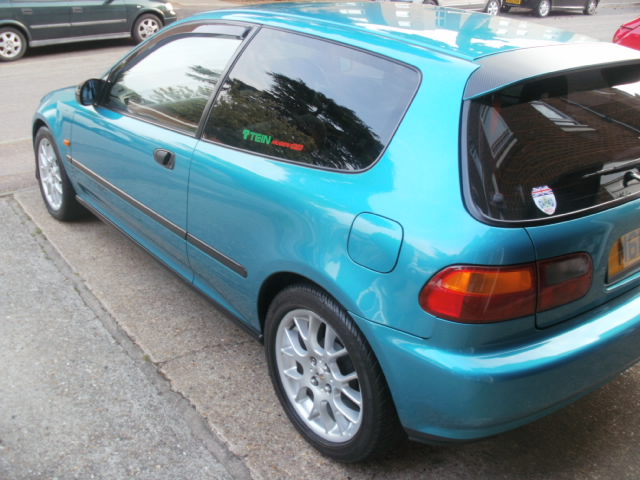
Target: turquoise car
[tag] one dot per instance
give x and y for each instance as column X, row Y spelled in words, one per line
column 36, row 23
column 430, row 217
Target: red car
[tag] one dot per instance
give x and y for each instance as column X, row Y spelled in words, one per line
column 629, row 34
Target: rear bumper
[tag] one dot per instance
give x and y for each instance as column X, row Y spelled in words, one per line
column 456, row 396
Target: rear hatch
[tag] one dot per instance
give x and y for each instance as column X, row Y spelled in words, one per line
column 559, row 155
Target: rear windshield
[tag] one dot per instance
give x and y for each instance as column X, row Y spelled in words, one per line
column 554, row 146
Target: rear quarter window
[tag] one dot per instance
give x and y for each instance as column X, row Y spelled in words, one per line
column 555, row 146
column 302, row 99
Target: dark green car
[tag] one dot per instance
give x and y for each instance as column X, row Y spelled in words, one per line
column 35, row 23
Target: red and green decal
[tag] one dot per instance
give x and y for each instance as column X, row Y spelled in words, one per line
column 269, row 140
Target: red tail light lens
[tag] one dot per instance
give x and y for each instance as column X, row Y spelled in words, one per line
column 564, row 279
column 473, row 294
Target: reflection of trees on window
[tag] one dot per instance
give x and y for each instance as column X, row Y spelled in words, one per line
column 185, row 103
column 172, row 84
column 294, row 122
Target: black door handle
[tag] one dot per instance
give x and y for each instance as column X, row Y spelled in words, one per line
column 165, row 158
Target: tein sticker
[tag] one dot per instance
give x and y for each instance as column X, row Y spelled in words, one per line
column 544, row 199
column 269, row 140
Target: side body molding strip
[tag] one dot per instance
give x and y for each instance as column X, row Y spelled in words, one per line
column 181, row 232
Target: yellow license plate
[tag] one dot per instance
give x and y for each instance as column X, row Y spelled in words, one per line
column 513, row 2
column 624, row 255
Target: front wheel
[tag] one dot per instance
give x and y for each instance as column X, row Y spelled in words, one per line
column 590, row 7
column 326, row 376
column 56, row 189
column 13, row 44
column 493, row 7
column 543, row 8
column 146, row 26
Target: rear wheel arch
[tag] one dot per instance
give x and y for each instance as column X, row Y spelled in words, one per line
column 17, row 26
column 273, row 285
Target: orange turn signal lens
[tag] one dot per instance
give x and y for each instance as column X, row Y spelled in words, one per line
column 478, row 294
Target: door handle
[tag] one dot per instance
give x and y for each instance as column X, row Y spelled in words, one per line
column 165, row 158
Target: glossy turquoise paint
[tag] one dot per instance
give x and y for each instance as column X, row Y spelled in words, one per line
column 120, row 149
column 596, row 235
column 447, row 379
column 374, row 242
column 454, row 32
column 467, row 394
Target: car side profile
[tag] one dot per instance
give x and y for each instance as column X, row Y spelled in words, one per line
column 490, row 7
column 542, row 8
column 30, row 23
column 430, row 217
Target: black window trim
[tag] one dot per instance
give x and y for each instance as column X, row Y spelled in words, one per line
column 293, row 162
column 160, row 40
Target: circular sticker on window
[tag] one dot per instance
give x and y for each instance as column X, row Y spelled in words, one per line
column 544, row 199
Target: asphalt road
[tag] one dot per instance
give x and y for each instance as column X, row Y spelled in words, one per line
column 113, row 368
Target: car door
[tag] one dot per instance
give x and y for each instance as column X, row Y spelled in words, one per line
column 46, row 19
column 134, row 149
column 98, row 17
column 293, row 117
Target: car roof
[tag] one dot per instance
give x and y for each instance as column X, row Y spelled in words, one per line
column 459, row 33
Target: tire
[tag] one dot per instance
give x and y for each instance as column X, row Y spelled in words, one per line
column 505, row 8
column 327, row 378
column 492, row 7
column 13, row 44
column 56, row 189
column 146, row 26
column 590, row 7
column 543, row 8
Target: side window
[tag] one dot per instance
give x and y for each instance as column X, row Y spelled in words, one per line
column 307, row 100
column 171, row 84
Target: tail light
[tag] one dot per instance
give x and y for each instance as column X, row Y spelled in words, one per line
column 478, row 294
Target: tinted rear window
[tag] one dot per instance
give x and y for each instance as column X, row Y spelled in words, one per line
column 556, row 145
column 311, row 101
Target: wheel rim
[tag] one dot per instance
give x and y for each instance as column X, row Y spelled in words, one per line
column 544, row 8
column 50, row 177
column 591, row 6
column 318, row 376
column 148, row 27
column 493, row 8
column 10, row 44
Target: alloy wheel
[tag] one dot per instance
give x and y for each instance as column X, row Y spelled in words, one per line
column 318, row 376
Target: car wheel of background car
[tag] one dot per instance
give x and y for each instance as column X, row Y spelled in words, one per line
column 429, row 2
column 543, row 8
column 13, row 44
column 590, row 7
column 493, row 7
column 56, row 189
column 505, row 8
column 146, row 26
column 326, row 376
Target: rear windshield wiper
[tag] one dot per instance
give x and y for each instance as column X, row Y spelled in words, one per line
column 635, row 163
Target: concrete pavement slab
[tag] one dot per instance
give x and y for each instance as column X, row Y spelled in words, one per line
column 220, row 370
column 73, row 402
